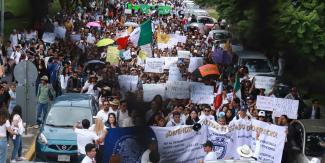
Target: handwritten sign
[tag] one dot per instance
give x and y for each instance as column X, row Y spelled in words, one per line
column 174, row 74
column 128, row 83
column 126, row 55
column 183, row 54
column 279, row 106
column 75, row 37
column 195, row 62
column 48, row 37
column 178, row 89
column 170, row 61
column 201, row 94
column 287, row 107
column 113, row 55
column 264, row 82
column 151, row 90
column 264, row 103
column 60, row 32
column 155, row 65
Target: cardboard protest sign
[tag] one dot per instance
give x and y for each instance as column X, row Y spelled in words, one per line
column 183, row 54
column 151, row 90
column 264, row 103
column 174, row 74
column 195, row 62
column 272, row 138
column 178, row 89
column 113, row 55
column 282, row 106
column 265, row 82
column 170, row 61
column 201, row 94
column 60, row 32
column 48, row 37
column 155, row 65
column 128, row 83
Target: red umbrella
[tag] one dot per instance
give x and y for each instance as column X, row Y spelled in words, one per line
column 209, row 69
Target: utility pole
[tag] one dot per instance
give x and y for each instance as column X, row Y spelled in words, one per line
column 2, row 17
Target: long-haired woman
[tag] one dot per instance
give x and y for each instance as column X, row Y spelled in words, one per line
column 4, row 127
column 18, row 127
column 99, row 129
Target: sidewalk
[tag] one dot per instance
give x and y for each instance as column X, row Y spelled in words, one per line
column 28, row 145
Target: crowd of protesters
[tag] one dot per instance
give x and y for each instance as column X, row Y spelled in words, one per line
column 62, row 69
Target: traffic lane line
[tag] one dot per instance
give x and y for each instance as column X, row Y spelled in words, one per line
column 31, row 151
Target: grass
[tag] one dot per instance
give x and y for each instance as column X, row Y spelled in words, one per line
column 20, row 8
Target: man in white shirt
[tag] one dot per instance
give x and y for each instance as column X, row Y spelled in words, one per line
column 114, row 107
column 90, row 154
column 16, row 54
column 206, row 114
column 211, row 155
column 176, row 121
column 151, row 147
column 103, row 113
column 123, row 113
column 84, row 136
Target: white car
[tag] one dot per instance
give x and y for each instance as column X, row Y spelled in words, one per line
column 257, row 63
column 199, row 12
column 219, row 35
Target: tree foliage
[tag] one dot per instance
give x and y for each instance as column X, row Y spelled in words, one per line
column 273, row 26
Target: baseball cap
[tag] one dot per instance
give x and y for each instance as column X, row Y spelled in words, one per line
column 261, row 113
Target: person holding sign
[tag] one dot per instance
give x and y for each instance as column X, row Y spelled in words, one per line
column 176, row 121
column 206, row 114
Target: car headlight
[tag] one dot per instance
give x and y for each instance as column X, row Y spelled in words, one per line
column 42, row 139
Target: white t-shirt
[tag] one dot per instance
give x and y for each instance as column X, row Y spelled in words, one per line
column 112, row 111
column 84, row 137
column 122, row 117
column 172, row 123
column 89, row 87
column 64, row 81
column 3, row 129
column 211, row 156
column 145, row 156
column 87, row 160
column 103, row 115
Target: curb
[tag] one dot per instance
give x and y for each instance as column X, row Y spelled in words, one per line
column 31, row 151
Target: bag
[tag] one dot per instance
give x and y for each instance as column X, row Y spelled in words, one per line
column 51, row 96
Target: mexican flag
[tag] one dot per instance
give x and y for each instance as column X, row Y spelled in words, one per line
column 218, row 98
column 237, row 87
column 142, row 35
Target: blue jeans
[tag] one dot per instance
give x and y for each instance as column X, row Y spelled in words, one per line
column 17, row 147
column 3, row 150
column 41, row 108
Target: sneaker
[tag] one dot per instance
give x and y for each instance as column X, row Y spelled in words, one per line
column 13, row 161
column 21, row 159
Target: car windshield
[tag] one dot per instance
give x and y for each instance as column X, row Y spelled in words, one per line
column 256, row 65
column 205, row 21
column 315, row 144
column 67, row 116
column 221, row 36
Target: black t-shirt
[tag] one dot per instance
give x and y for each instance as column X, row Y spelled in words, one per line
column 4, row 99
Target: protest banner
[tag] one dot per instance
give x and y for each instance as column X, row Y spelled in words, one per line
column 201, row 94
column 183, row 54
column 113, row 55
column 174, row 74
column 171, row 40
column 170, row 61
column 195, row 62
column 265, row 82
column 48, row 37
column 128, row 83
column 164, row 10
column 282, row 106
column 155, row 65
column 180, row 144
column 178, row 89
column 151, row 90
column 60, row 32
column 264, row 103
column 272, row 139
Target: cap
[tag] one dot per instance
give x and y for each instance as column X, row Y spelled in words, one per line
column 208, row 144
column 44, row 78
column 261, row 113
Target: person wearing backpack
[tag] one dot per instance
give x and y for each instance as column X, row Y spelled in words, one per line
column 45, row 94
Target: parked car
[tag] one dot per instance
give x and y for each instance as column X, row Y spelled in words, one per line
column 256, row 62
column 57, row 141
column 206, row 20
column 308, row 140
